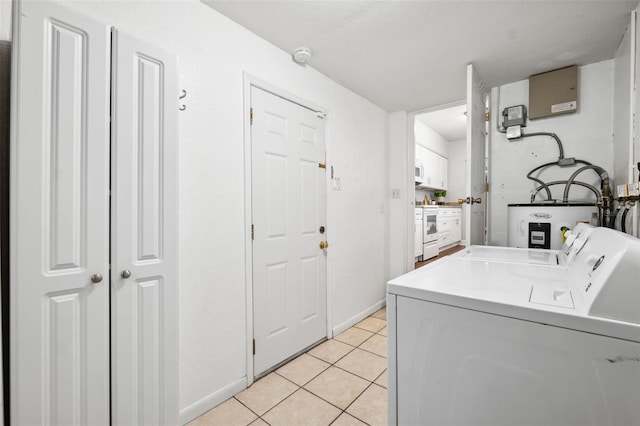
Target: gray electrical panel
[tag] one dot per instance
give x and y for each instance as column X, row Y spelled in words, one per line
column 553, row 93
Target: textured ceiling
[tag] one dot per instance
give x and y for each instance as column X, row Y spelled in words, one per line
column 410, row 55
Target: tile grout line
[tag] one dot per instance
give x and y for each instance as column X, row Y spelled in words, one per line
column 345, row 410
column 244, row 405
column 278, row 403
column 351, row 372
column 307, row 390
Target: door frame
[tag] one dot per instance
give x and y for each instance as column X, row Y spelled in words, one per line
column 411, row 189
column 250, row 81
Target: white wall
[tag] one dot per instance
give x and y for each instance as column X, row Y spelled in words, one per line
column 213, row 55
column 430, row 139
column 456, row 170
column 586, row 135
column 401, row 178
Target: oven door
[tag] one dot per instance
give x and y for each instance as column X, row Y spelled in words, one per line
column 430, row 226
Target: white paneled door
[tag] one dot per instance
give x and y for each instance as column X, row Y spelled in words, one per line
column 288, row 216
column 144, row 318
column 87, row 346
column 59, row 303
column 475, row 209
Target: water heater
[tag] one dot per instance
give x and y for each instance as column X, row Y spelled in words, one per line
column 539, row 225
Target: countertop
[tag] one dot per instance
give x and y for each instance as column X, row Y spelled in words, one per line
column 445, row 204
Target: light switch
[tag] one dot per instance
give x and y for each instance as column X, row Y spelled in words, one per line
column 335, row 184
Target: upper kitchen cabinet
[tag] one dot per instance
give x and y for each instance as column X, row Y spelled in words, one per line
column 432, row 167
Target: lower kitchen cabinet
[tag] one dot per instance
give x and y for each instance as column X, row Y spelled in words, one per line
column 449, row 227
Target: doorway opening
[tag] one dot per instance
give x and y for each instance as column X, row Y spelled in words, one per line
column 440, row 147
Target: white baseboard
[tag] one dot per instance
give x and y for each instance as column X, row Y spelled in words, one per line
column 358, row 317
column 208, row 402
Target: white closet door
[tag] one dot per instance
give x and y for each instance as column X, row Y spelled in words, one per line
column 59, row 218
column 144, row 234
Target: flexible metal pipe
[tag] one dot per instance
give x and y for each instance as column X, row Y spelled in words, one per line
column 604, row 176
column 544, row 185
column 564, row 182
column 606, row 191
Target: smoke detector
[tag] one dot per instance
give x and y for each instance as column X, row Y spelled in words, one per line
column 302, row 55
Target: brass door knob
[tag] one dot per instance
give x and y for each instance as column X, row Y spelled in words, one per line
column 470, row 200
column 324, row 244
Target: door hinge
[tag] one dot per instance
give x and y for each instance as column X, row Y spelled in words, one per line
column 254, row 346
column 252, row 233
column 322, row 165
column 486, row 116
column 251, row 116
column 486, row 187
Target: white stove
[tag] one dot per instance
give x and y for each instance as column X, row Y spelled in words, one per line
column 430, row 232
column 504, row 336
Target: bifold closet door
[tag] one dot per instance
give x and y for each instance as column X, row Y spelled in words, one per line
column 144, row 242
column 59, row 319
column 92, row 343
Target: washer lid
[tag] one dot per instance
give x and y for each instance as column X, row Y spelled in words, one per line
column 506, row 288
column 512, row 254
column 550, row 296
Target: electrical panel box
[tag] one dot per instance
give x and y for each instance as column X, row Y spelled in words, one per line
column 514, row 116
column 553, row 93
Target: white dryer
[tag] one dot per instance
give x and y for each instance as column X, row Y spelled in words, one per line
column 493, row 336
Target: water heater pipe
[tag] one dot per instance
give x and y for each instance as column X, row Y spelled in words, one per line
column 606, row 190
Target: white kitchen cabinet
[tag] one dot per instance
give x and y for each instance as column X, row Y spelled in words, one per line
column 444, row 170
column 456, row 228
column 94, row 224
column 449, row 227
column 435, row 168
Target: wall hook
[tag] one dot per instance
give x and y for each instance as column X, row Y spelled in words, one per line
column 182, row 96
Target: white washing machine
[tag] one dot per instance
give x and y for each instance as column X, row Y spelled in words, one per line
column 496, row 337
column 540, row 225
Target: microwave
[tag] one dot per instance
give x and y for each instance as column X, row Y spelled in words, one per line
column 419, row 172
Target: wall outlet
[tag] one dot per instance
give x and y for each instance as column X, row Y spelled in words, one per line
column 395, row 193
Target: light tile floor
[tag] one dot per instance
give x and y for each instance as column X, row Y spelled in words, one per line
column 342, row 382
